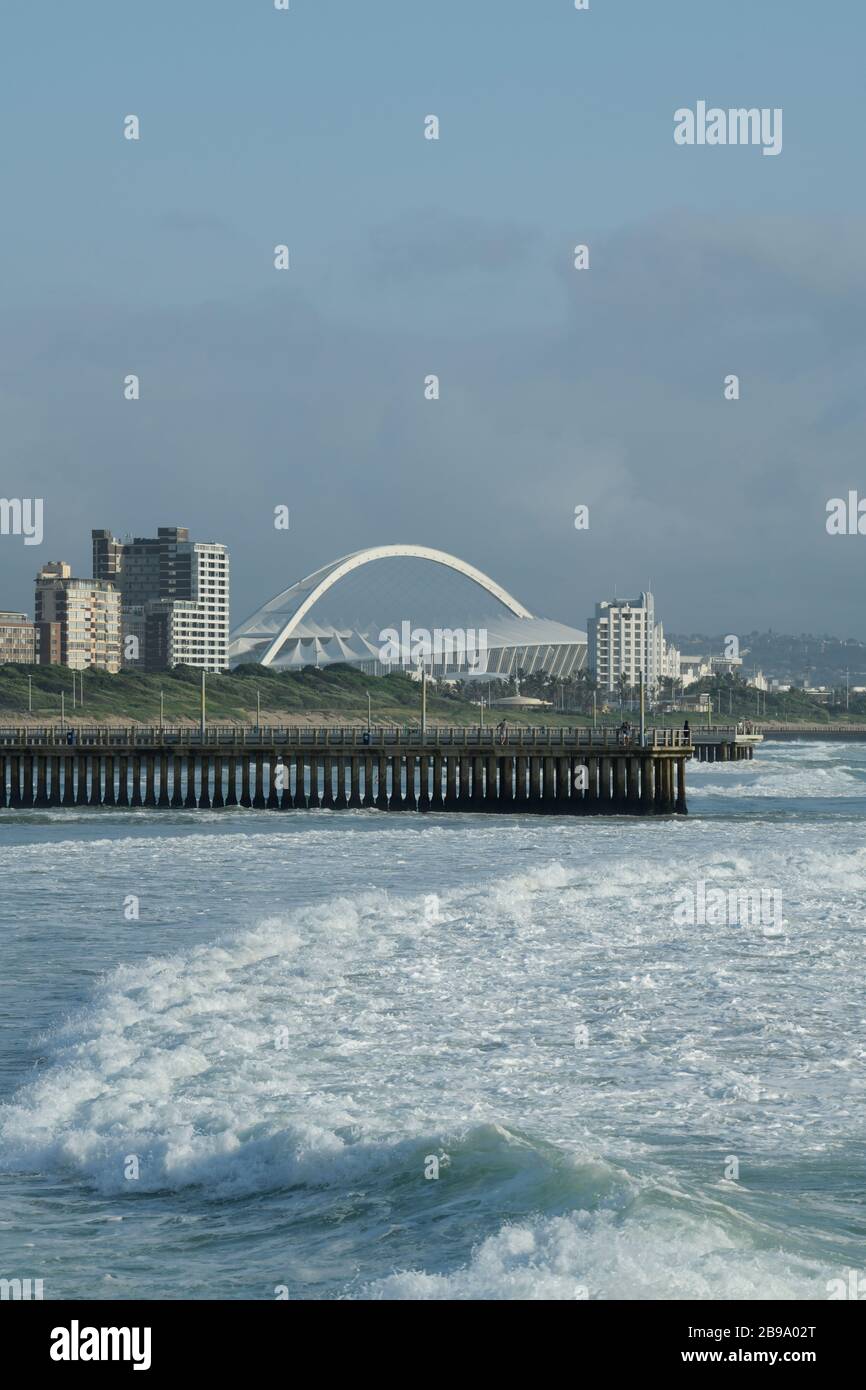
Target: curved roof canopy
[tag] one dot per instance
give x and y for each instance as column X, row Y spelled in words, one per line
column 273, row 624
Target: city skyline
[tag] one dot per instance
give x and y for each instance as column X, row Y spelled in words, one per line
column 663, row 654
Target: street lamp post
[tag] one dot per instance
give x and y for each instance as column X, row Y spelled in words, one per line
column 642, row 710
column 203, row 703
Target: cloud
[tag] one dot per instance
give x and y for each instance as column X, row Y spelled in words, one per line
column 430, row 242
column 614, row 401
column 192, row 222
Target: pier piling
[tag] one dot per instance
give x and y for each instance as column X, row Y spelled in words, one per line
column 541, row 771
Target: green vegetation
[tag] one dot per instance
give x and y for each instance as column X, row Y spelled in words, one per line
column 809, row 660
column 336, row 691
column 339, row 693
column 733, row 699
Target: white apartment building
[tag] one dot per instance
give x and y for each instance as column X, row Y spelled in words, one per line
column 693, row 668
column 725, row 665
column 625, row 641
column 83, row 614
column 668, row 658
column 197, row 632
column 175, row 597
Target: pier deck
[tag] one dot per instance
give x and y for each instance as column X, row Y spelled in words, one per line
column 722, row 744
column 558, row 771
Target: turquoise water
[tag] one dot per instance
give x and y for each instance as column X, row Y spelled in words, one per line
column 246, row 1089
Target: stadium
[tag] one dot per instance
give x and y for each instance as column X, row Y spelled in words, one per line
column 391, row 607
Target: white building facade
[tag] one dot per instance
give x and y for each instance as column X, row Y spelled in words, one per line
column 175, row 596
column 197, row 628
column 625, row 642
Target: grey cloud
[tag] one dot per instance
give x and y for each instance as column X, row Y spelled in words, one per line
column 429, row 242
column 618, row 403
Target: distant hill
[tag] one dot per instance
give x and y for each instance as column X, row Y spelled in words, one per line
column 792, row 660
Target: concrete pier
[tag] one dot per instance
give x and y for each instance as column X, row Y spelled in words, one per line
column 724, row 745
column 541, row 771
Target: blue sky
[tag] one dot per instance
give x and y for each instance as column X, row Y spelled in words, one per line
column 410, row 257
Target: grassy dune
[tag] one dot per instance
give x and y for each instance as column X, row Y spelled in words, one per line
column 335, row 693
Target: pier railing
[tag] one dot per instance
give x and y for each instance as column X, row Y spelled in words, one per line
column 342, row 737
column 564, row 771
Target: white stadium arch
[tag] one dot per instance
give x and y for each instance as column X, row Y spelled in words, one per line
column 284, row 633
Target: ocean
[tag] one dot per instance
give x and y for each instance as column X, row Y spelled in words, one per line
column 353, row 1055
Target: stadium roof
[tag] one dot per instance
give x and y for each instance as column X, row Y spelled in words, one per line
column 294, row 629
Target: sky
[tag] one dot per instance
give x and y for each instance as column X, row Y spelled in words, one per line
column 410, row 257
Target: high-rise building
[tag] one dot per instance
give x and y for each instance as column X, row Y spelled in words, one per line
column 49, row 651
column 77, row 620
column 17, row 639
column 142, row 568
column 669, row 659
column 107, row 553
column 175, row 595
column 625, row 641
